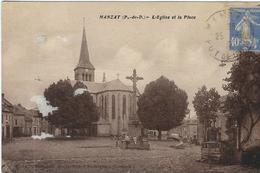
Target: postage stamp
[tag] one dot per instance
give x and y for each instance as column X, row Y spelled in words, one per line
column 244, row 29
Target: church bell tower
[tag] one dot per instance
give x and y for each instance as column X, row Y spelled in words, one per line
column 84, row 71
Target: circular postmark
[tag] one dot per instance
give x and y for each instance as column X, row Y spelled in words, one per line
column 218, row 42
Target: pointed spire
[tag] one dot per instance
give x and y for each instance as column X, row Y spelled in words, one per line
column 84, row 61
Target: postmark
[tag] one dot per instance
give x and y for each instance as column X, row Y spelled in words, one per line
column 217, row 42
column 244, row 29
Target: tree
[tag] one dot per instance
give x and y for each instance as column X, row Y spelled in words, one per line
column 236, row 110
column 162, row 106
column 58, row 94
column 74, row 112
column 79, row 112
column 206, row 104
column 243, row 84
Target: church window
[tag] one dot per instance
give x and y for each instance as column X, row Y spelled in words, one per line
column 83, row 77
column 90, row 77
column 86, row 77
column 124, row 106
column 102, row 107
column 99, row 103
column 113, row 107
column 105, row 111
column 119, row 107
column 130, row 105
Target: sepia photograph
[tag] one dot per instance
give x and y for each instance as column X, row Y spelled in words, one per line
column 130, row 87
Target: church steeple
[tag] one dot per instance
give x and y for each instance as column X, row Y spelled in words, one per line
column 84, row 70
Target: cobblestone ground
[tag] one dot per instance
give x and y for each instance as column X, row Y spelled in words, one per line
column 99, row 155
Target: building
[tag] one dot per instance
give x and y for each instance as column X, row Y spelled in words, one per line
column 187, row 130
column 113, row 98
column 7, row 119
column 19, row 127
column 36, row 121
column 46, row 127
column 26, row 122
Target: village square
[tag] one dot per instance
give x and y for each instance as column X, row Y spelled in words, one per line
column 99, row 120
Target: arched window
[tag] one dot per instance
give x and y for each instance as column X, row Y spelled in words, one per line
column 105, row 106
column 130, row 105
column 99, row 102
column 102, row 106
column 83, row 76
column 113, row 107
column 124, row 106
column 118, row 106
column 87, row 77
column 90, row 77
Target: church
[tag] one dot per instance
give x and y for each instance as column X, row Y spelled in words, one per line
column 116, row 101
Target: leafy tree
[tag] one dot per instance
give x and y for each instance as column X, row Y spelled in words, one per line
column 74, row 112
column 80, row 111
column 206, row 104
column 244, row 87
column 236, row 110
column 162, row 106
column 58, row 94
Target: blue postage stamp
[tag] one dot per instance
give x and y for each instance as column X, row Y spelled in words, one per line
column 244, row 29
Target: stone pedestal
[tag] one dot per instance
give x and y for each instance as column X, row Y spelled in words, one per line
column 134, row 128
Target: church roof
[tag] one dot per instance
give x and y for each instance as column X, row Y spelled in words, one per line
column 114, row 85
column 84, row 61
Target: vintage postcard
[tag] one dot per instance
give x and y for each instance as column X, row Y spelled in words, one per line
column 130, row 87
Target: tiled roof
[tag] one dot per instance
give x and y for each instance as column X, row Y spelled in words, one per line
column 6, row 105
column 113, row 85
column 22, row 111
column 116, row 85
column 19, row 110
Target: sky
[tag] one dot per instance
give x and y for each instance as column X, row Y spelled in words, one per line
column 41, row 40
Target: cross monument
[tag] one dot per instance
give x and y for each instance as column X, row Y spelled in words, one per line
column 134, row 78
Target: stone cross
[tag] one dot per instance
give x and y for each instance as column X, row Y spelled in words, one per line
column 134, row 78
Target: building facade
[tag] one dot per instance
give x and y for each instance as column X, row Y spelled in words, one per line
column 36, row 122
column 7, row 119
column 188, row 129
column 19, row 121
column 114, row 99
column 26, row 122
